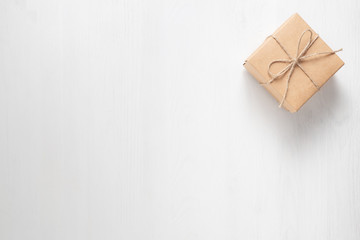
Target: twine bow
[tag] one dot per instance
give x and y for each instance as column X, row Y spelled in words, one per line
column 295, row 61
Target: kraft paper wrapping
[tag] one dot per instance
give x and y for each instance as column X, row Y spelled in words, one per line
column 301, row 89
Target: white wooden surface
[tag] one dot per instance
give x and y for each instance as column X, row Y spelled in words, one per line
column 136, row 120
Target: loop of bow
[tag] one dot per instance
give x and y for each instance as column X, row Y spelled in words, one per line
column 295, row 61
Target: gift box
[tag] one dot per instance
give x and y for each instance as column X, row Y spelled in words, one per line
column 293, row 63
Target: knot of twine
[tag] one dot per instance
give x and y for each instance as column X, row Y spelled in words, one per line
column 295, row 61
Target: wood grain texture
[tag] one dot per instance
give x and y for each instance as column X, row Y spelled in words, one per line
column 136, row 120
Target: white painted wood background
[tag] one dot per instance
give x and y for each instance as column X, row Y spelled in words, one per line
column 136, row 120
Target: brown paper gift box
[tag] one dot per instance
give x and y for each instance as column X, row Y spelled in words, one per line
column 319, row 68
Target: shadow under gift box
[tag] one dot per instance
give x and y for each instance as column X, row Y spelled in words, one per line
column 320, row 68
